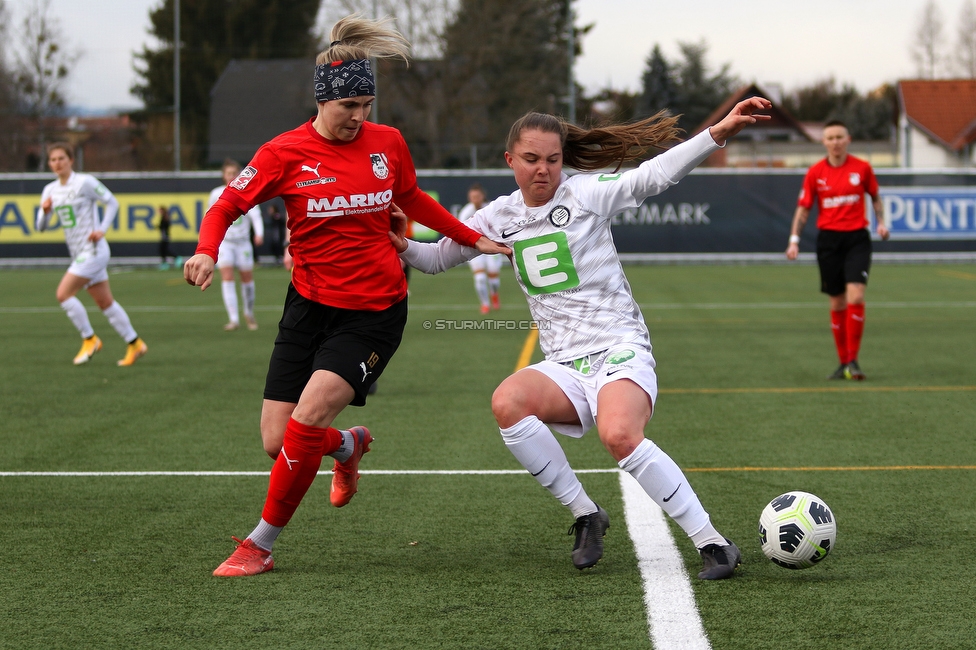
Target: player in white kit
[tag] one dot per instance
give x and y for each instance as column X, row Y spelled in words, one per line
column 236, row 252
column 486, row 268
column 71, row 202
column 598, row 366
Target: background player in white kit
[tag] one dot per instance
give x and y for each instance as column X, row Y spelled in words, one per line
column 236, row 251
column 598, row 367
column 74, row 199
column 486, row 268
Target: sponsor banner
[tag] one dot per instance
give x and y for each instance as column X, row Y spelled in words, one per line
column 136, row 221
column 708, row 211
column 929, row 212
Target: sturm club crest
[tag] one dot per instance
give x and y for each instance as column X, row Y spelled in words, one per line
column 379, row 162
column 559, row 216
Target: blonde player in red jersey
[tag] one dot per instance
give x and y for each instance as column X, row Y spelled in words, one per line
column 346, row 305
column 837, row 185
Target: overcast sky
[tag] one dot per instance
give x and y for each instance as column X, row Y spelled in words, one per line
column 864, row 42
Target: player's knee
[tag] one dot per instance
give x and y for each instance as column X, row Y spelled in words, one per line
column 620, row 441
column 508, row 406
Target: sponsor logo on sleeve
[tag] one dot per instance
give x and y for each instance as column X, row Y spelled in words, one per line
column 244, row 178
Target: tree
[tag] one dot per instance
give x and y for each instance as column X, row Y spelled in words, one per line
column 212, row 33
column 492, row 81
column 965, row 58
column 659, row 90
column 41, row 69
column 420, row 21
column 698, row 92
column 819, row 101
column 868, row 117
column 927, row 50
column 685, row 87
column 456, row 101
column 8, row 103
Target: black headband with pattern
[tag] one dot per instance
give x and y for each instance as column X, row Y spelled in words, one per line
column 342, row 79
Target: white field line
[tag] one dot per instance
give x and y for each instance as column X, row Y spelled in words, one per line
column 672, row 616
column 650, row 306
column 394, row 472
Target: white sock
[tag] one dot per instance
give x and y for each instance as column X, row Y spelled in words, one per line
column 481, row 287
column 265, row 534
column 533, row 445
column 118, row 319
column 247, row 293
column 345, row 450
column 229, row 292
column 78, row 316
column 494, row 283
column 666, row 484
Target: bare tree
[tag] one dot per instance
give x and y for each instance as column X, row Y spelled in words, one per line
column 42, row 67
column 965, row 55
column 927, row 50
column 421, row 21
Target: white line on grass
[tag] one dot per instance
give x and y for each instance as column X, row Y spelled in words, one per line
column 672, row 615
column 322, row 472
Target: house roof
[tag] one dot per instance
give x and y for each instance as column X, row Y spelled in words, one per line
column 945, row 109
column 781, row 118
column 255, row 100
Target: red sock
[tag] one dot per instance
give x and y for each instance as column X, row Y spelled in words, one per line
column 838, row 324
column 855, row 328
column 296, row 467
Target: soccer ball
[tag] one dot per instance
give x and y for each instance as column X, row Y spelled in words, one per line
column 797, row 530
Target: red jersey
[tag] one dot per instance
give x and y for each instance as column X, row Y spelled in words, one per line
column 839, row 193
column 338, row 196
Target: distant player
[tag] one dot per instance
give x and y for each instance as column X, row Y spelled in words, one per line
column 598, row 368
column 486, row 268
column 71, row 201
column 236, row 251
column 837, row 185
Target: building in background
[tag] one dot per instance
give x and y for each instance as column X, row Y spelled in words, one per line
column 937, row 123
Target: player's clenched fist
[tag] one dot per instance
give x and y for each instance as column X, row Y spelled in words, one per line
column 198, row 271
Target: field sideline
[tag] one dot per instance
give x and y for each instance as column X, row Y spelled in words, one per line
column 124, row 485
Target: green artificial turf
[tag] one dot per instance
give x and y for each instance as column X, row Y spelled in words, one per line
column 482, row 561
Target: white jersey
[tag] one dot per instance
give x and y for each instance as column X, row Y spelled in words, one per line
column 75, row 205
column 564, row 256
column 240, row 230
column 467, row 212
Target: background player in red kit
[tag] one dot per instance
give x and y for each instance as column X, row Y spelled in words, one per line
column 837, row 185
column 346, row 306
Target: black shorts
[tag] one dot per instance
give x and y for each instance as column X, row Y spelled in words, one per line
column 356, row 345
column 843, row 256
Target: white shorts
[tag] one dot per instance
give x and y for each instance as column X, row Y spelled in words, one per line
column 490, row 263
column 237, row 254
column 92, row 265
column 582, row 379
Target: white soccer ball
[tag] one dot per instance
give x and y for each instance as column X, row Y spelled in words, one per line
column 797, row 530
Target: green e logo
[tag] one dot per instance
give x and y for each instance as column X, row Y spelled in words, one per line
column 545, row 264
column 66, row 215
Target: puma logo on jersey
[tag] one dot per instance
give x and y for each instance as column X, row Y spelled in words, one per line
column 306, row 168
column 352, row 204
column 366, row 373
